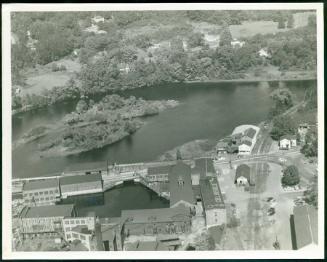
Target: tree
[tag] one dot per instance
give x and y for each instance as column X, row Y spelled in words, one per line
column 290, row 176
column 196, row 39
column 281, row 23
column 178, row 155
column 282, row 125
column 310, row 148
column 225, row 37
column 290, row 21
column 81, row 106
column 310, row 196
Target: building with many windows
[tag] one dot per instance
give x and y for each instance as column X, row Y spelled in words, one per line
column 80, row 185
column 212, row 201
column 156, row 221
column 41, row 192
column 44, row 219
column 69, row 223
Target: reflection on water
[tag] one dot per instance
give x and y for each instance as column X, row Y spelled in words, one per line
column 130, row 195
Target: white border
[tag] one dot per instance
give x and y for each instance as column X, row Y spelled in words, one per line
column 6, row 144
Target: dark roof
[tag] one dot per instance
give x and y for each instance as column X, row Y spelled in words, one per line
column 243, row 170
column 250, row 132
column 289, row 137
column 204, row 165
column 67, row 180
column 41, row 184
column 179, row 213
column 147, row 246
column 222, row 145
column 90, row 166
column 180, row 184
column 211, row 194
column 159, row 170
column 306, row 225
column 81, row 229
column 48, row 211
column 246, row 142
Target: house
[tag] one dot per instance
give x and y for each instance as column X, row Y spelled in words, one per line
column 302, row 131
column 287, row 142
column 304, row 227
column 41, row 192
column 80, row 185
column 245, row 148
column 212, row 40
column 222, row 147
column 98, row 19
column 212, row 202
column 236, row 43
column 44, row 220
column 161, row 221
column 263, row 52
column 180, row 185
column 242, row 176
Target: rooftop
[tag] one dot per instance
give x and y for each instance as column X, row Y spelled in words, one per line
column 243, row 171
column 211, row 194
column 159, row 170
column 288, row 137
column 204, row 166
column 179, row 213
column 68, row 180
column 250, row 132
column 147, row 246
column 47, row 211
column 246, row 142
column 180, row 184
column 41, row 184
column 82, row 230
column 306, row 225
column 90, row 166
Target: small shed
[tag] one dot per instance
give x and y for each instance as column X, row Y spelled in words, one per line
column 242, row 176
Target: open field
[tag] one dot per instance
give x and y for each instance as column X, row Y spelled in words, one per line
column 43, row 77
column 248, row 29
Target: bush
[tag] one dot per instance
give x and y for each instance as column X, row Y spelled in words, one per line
column 291, row 176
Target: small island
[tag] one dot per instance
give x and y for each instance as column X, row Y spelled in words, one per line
column 94, row 125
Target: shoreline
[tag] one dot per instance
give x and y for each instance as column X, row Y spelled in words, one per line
column 250, row 80
column 236, row 80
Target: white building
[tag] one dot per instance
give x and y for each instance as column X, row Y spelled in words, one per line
column 212, row 201
column 98, row 19
column 287, row 142
column 264, row 53
column 242, row 177
column 247, row 137
column 236, row 43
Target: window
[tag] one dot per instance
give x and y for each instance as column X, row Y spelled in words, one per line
column 75, row 235
column 72, row 222
column 66, row 222
column 50, row 192
column 83, row 237
column 83, row 221
column 78, row 222
column 68, row 236
column 46, row 192
column 41, row 193
column 47, row 199
column 41, row 198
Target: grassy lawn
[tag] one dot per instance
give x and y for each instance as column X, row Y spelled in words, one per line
column 248, row 29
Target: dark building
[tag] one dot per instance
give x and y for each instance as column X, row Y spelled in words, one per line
column 156, row 221
column 180, row 185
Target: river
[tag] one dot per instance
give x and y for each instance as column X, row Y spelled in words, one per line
column 207, row 111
